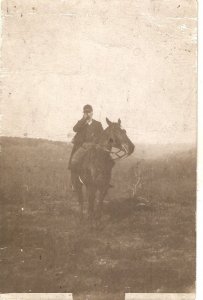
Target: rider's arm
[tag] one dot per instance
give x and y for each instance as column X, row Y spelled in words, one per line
column 80, row 125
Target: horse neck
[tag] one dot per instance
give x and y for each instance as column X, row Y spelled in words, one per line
column 103, row 142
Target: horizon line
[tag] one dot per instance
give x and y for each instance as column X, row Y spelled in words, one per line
column 69, row 142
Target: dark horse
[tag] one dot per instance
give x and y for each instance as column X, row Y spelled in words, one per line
column 96, row 166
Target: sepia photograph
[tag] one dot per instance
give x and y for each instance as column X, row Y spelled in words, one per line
column 98, row 149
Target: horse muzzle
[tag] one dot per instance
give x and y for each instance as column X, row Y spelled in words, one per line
column 128, row 148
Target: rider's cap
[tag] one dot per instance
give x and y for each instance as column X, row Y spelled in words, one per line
column 87, row 108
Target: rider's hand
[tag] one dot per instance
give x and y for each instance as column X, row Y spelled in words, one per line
column 85, row 116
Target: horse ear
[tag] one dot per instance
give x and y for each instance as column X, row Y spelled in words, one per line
column 119, row 122
column 108, row 121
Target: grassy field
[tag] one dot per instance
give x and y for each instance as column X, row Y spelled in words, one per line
column 147, row 243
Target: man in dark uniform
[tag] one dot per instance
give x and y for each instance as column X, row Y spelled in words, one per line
column 88, row 132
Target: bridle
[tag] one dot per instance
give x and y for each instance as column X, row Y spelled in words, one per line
column 118, row 154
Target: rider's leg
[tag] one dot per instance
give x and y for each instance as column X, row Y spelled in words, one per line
column 76, row 158
column 76, row 165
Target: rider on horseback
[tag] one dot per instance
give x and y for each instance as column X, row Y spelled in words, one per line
column 93, row 156
column 88, row 132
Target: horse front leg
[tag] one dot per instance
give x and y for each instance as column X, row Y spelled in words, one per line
column 77, row 187
column 80, row 200
column 102, row 194
column 91, row 191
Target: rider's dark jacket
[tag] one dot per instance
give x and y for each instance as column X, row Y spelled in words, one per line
column 85, row 133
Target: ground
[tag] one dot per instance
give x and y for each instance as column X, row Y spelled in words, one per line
column 147, row 241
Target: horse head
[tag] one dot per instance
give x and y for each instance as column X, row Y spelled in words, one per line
column 115, row 137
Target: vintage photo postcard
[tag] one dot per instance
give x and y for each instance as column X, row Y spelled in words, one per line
column 98, row 149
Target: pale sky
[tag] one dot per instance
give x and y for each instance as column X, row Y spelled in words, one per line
column 134, row 60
